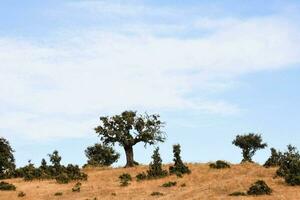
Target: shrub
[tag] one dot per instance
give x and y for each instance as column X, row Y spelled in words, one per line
column 169, row 184
column 141, row 176
column 21, row 194
column 124, row 179
column 101, row 155
column 58, row 194
column 157, row 194
column 274, row 160
column 249, row 144
column 7, row 186
column 76, row 187
column 73, row 172
column 155, row 167
column 290, row 166
column 238, row 194
column 259, row 188
column 63, row 178
column 219, row 164
column 179, row 168
column 183, row 185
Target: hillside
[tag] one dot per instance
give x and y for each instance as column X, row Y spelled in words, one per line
column 203, row 183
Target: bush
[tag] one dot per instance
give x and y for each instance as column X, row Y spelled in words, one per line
column 124, row 179
column 58, row 194
column 238, row 194
column 155, row 167
column 249, row 144
column 7, row 186
column 141, row 176
column 21, row 194
column 289, row 167
column 101, row 155
column 259, row 188
column 63, row 178
column 179, row 168
column 169, row 184
column 219, row 164
column 76, row 187
column 274, row 160
column 74, row 173
column 157, row 194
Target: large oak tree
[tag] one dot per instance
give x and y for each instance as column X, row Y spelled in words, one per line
column 128, row 129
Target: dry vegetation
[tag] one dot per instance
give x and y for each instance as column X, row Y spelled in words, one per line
column 203, row 183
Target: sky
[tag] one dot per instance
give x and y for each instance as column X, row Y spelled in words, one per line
column 211, row 69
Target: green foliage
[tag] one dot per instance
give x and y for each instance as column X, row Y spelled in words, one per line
column 141, row 176
column 76, row 187
column 238, row 194
column 259, row 188
column 157, row 194
column 128, row 129
column 289, row 167
column 7, row 160
column 124, row 179
column 155, row 167
column 169, row 184
column 7, row 186
column 101, row 155
column 249, row 144
column 219, row 164
column 274, row 160
column 179, row 167
column 21, row 194
column 62, row 178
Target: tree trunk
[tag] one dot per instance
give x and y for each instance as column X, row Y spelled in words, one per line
column 129, row 157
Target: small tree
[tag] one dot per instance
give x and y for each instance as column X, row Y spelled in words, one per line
column 128, row 129
column 179, row 167
column 249, row 144
column 7, row 160
column 55, row 159
column 101, row 155
column 155, row 167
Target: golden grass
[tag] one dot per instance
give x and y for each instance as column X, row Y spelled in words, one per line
column 204, row 183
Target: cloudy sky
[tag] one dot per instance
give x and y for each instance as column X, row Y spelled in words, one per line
column 210, row 69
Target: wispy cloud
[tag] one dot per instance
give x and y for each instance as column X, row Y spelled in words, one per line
column 88, row 72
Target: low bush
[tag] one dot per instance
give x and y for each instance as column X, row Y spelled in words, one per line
column 141, row 176
column 7, row 186
column 183, row 185
column 125, row 179
column 238, row 194
column 63, row 178
column 259, row 188
column 219, row 164
column 155, row 167
column 157, row 194
column 76, row 187
column 58, row 194
column 21, row 194
column 169, row 184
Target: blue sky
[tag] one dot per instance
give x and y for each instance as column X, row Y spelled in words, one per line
column 210, row 69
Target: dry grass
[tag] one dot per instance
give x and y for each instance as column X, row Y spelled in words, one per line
column 203, row 183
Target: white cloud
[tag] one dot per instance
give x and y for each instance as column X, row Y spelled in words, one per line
column 92, row 71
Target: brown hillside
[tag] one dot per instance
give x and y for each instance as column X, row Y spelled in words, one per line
column 203, row 183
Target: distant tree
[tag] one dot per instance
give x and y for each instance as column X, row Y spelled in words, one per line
column 101, row 155
column 155, row 167
column 55, row 159
column 128, row 129
column 249, row 144
column 179, row 167
column 7, row 160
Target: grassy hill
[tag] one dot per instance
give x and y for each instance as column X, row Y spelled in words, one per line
column 203, row 183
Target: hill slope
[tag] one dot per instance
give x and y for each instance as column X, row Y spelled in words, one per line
column 203, row 183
